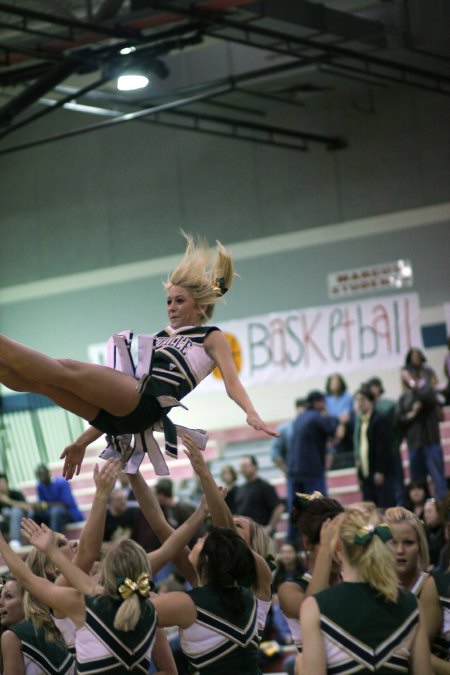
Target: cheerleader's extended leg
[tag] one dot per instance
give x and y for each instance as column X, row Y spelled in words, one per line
column 99, row 386
column 64, row 399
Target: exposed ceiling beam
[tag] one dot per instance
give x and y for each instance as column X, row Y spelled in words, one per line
column 67, row 22
column 31, row 94
column 322, row 19
column 370, row 64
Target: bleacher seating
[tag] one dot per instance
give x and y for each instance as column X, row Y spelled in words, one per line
column 226, row 447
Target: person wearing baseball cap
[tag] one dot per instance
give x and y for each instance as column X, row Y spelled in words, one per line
column 307, row 459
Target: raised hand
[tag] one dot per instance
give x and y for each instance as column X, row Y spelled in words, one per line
column 40, row 536
column 73, row 455
column 194, row 454
column 254, row 420
column 328, row 533
column 105, row 477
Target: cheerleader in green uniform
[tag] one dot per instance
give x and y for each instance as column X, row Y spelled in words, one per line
column 26, row 648
column 316, row 516
column 218, row 620
column 365, row 624
column 410, row 548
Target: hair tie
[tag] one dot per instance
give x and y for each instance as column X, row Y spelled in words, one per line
column 272, row 564
column 143, row 585
column 219, row 287
column 368, row 531
column 227, row 581
column 303, row 500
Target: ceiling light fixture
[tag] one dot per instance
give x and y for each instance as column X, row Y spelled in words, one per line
column 127, row 50
column 132, row 81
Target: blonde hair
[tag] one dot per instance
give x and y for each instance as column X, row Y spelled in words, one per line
column 41, row 617
column 374, row 560
column 38, row 613
column 206, row 280
column 397, row 515
column 260, row 542
column 41, row 565
column 369, row 509
column 124, row 559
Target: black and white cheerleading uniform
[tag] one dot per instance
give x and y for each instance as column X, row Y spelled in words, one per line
column 294, row 624
column 441, row 644
column 101, row 648
column 363, row 632
column 419, row 583
column 68, row 630
column 170, row 365
column 41, row 656
column 218, row 644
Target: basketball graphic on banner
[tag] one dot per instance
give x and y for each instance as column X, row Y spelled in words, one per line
column 236, row 353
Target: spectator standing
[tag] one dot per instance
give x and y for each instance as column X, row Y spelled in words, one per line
column 415, row 372
column 419, row 414
column 309, row 457
column 374, row 459
column 386, row 407
column 257, row 498
column 57, row 506
column 13, row 507
column 279, row 446
column 339, row 403
column 229, row 477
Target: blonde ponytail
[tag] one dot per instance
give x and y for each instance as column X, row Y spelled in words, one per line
column 207, row 281
column 128, row 614
column 125, row 567
column 366, row 549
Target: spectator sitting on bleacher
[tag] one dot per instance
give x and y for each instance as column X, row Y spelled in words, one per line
column 57, row 506
column 176, row 510
column 13, row 507
column 121, row 519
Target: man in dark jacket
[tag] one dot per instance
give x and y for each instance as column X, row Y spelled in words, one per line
column 419, row 414
column 372, row 442
column 309, row 454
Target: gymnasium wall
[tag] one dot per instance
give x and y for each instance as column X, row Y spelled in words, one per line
column 89, row 225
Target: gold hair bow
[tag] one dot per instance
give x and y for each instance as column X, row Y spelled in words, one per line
column 303, row 500
column 219, row 287
column 142, row 585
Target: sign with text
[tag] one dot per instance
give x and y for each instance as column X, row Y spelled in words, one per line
column 304, row 343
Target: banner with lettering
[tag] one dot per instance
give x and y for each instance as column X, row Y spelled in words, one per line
column 302, row 343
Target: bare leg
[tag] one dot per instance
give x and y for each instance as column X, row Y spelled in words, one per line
column 99, row 386
column 64, row 399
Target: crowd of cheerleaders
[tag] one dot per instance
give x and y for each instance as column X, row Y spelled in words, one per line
column 61, row 617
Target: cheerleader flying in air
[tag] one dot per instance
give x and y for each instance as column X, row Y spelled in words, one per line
column 122, row 403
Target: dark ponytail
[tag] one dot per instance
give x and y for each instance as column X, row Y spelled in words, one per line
column 227, row 564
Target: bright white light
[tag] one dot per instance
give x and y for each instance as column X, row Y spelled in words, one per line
column 127, row 50
column 130, row 82
column 407, row 272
